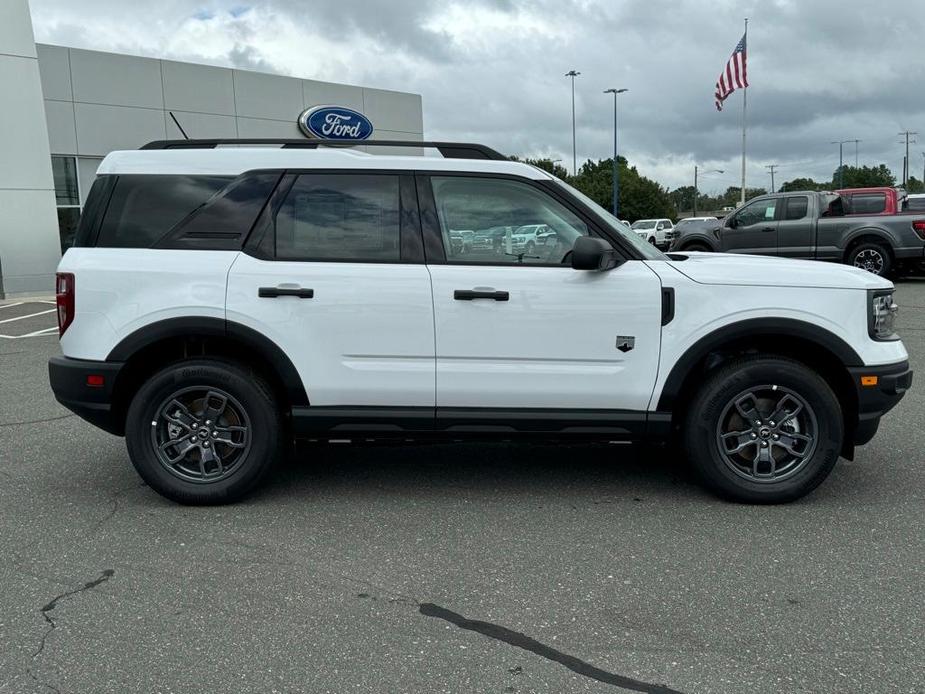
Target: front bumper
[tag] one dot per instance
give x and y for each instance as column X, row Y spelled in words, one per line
column 88, row 398
column 878, row 398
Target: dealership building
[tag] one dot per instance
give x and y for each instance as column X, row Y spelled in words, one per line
column 64, row 109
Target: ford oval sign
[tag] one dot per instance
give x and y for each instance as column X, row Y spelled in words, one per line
column 335, row 123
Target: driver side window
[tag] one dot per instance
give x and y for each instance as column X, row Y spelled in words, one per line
column 756, row 213
column 500, row 222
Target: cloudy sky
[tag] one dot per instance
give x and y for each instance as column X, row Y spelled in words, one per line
column 492, row 71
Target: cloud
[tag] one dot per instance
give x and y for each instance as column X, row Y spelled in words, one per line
column 493, row 70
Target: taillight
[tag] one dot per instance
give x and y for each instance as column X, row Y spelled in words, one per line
column 64, row 298
column 919, row 226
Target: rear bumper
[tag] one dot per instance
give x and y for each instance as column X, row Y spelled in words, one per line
column 916, row 252
column 874, row 401
column 69, row 382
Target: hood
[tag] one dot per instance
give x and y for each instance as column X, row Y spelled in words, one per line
column 762, row 270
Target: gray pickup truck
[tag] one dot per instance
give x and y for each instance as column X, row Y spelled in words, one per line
column 813, row 225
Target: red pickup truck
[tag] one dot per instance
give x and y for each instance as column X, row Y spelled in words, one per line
column 873, row 201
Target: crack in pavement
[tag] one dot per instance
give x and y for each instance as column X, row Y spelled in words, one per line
column 515, row 638
column 37, row 421
column 104, row 576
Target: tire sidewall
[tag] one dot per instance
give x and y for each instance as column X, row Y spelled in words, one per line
column 253, row 397
column 718, row 392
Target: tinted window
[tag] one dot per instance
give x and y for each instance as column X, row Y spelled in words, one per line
column 225, row 221
column 756, row 212
column 498, row 221
column 915, row 203
column 340, row 217
column 796, row 208
column 868, row 203
column 143, row 208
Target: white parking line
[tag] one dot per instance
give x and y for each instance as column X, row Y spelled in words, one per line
column 16, row 303
column 31, row 315
column 37, row 333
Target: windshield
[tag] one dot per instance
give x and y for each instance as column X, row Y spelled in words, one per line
column 646, row 249
column 644, row 224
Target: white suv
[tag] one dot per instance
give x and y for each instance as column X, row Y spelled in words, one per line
column 220, row 301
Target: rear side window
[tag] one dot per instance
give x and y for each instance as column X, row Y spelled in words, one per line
column 796, row 207
column 348, row 217
column 143, row 208
column 868, row 203
column 915, row 204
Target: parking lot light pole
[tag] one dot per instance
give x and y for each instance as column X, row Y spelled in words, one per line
column 719, row 171
column 841, row 160
column 573, row 74
column 616, row 174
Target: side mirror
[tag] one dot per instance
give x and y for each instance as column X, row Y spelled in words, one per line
column 731, row 222
column 590, row 253
column 660, row 227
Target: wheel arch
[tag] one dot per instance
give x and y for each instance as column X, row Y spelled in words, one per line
column 816, row 347
column 149, row 348
column 868, row 235
column 697, row 240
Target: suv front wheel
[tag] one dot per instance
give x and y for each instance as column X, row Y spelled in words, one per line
column 763, row 430
column 204, row 431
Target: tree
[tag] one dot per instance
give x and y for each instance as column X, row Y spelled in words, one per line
column 863, row 177
column 803, row 184
column 914, row 185
column 640, row 197
column 683, row 198
column 732, row 196
column 550, row 166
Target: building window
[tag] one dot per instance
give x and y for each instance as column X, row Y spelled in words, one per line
column 67, row 198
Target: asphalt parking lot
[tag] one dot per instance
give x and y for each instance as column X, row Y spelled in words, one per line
column 449, row 567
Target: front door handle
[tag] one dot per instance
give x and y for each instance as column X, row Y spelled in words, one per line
column 769, row 229
column 470, row 294
column 273, row 292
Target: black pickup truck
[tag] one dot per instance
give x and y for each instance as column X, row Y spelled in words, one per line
column 813, row 225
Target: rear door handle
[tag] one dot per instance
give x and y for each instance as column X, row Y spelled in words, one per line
column 273, row 292
column 470, row 294
column 769, row 229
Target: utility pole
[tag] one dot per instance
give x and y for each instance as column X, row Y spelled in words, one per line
column 770, row 168
column 616, row 172
column 907, row 134
column 573, row 74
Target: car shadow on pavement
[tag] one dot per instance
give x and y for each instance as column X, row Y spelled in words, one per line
column 484, row 470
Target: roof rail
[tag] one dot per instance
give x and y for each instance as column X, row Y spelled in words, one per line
column 449, row 150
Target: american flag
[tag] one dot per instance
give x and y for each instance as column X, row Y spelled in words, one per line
column 733, row 75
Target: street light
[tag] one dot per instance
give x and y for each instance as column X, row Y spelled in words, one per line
column 841, row 158
column 573, row 74
column 616, row 175
column 712, row 171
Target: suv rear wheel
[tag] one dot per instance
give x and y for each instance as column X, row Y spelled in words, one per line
column 204, row 431
column 763, row 430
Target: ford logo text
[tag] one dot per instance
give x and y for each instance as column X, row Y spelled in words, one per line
column 334, row 123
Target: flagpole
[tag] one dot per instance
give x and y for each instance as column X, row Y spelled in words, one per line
column 744, row 108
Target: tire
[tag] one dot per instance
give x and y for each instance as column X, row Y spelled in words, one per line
column 652, row 240
column 695, row 247
column 219, row 464
column 806, row 446
column 873, row 257
column 530, row 248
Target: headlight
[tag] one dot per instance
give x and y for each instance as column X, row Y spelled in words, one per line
column 881, row 317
